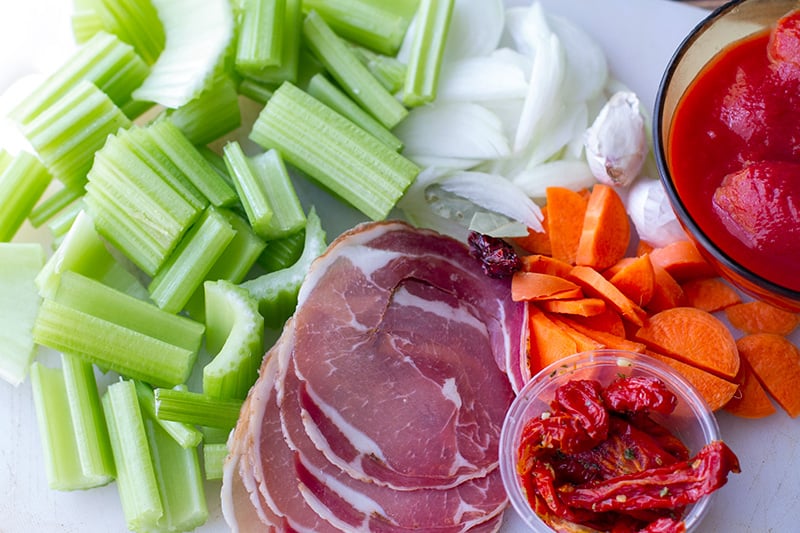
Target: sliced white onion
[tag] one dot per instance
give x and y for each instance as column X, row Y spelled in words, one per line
column 475, row 29
column 587, row 68
column 572, row 174
column 573, row 120
column 652, row 214
column 498, row 76
column 450, row 163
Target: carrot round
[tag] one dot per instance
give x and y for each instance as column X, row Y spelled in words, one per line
column 594, row 284
column 682, row 260
column 635, row 277
column 709, row 294
column 716, row 391
column 565, row 213
column 761, row 317
column 693, row 336
column 776, row 363
column 527, row 286
column 751, row 400
column 578, row 306
column 606, row 231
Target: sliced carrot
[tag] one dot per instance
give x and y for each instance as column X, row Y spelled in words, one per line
column 694, row 336
column 527, row 286
column 667, row 292
column 536, row 242
column 565, row 213
column 609, row 321
column 594, row 284
column 761, row 317
column 716, row 391
column 583, row 342
column 606, row 231
column 606, row 338
column 635, row 277
column 776, row 363
column 545, row 265
column 751, row 400
column 578, row 306
column 682, row 260
column 548, row 341
column 644, row 247
column 709, row 294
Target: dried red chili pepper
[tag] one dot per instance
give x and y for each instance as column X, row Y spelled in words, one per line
column 638, row 394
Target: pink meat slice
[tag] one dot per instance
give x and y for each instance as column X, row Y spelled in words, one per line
column 401, row 345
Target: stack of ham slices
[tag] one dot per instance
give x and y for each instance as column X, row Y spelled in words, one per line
column 381, row 405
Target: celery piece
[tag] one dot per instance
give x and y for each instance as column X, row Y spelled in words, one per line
column 85, row 22
column 186, row 435
column 255, row 90
column 136, row 476
column 235, row 337
column 290, row 32
column 60, row 224
column 22, row 183
column 195, row 408
column 217, row 163
column 67, row 134
column 135, row 22
column 134, row 109
column 250, row 187
column 372, row 23
column 215, row 435
column 19, row 304
column 214, row 113
column 276, row 292
column 76, row 457
column 186, row 268
column 390, row 71
column 260, row 39
column 108, row 63
column 214, row 456
column 427, row 48
column 196, row 40
column 53, row 204
column 329, row 94
column 308, row 66
column 342, row 157
column 282, row 253
column 350, row 73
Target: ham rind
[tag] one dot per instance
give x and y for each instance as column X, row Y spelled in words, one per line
column 401, row 344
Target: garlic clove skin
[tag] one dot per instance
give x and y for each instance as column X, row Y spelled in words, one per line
column 616, row 143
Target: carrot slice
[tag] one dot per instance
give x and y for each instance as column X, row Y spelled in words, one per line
column 716, row 391
column 578, row 306
column 776, row 363
column 545, row 265
column 535, row 286
column 548, row 341
column 682, row 260
column 709, row 294
column 644, row 247
column 667, row 293
column 594, row 284
column 606, row 232
column 536, row 242
column 694, row 336
column 606, row 338
column 751, row 400
column 761, row 317
column 635, row 277
column 609, row 321
column 583, row 342
column 565, row 213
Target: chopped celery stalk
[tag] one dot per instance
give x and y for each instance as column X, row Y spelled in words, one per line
column 211, row 115
column 180, row 480
column 186, row 435
column 185, row 270
column 307, row 67
column 255, row 90
column 260, row 39
column 22, row 183
column 235, row 337
column 250, row 188
column 282, row 253
column 214, row 456
column 107, row 62
column 342, row 157
column 19, row 304
column 427, row 48
column 72, row 460
column 62, row 222
column 134, row 109
column 372, row 23
column 214, row 435
column 196, row 40
column 85, row 22
column 351, row 74
column 389, row 70
column 329, row 94
column 276, row 292
column 135, row 22
column 53, row 204
column 290, row 30
column 217, row 163
column 196, row 408
column 67, row 134
column 136, row 476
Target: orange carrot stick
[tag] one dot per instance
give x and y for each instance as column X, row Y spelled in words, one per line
column 635, row 277
column 682, row 260
column 606, row 338
column 578, row 306
column 548, row 342
column 709, row 294
column 609, row 321
column 716, row 391
column 536, row 286
column 606, row 232
column 594, row 284
column 565, row 213
column 545, row 265
column 751, row 400
column 761, row 317
column 667, row 293
column 776, row 363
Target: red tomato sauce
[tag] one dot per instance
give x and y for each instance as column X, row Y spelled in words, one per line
column 734, row 152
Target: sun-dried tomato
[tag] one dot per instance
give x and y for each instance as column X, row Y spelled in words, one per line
column 638, row 394
column 582, row 399
column 497, row 257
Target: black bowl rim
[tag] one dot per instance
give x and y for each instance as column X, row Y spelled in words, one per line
column 665, row 177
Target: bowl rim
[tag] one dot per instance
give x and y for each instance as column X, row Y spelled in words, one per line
column 665, row 176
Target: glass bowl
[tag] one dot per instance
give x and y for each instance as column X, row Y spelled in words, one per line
column 729, row 23
column 692, row 421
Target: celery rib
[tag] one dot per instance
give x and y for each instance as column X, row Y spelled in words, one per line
column 260, row 41
column 22, row 183
column 290, row 32
column 425, row 58
column 187, row 436
column 195, row 408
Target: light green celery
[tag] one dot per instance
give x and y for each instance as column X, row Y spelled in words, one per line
column 136, row 476
column 195, row 408
column 192, row 163
column 282, row 253
column 134, row 109
column 235, row 337
column 255, row 90
column 19, row 305
column 249, row 188
column 214, row 456
column 187, row 267
column 53, row 204
column 105, row 61
column 372, row 23
column 22, row 183
column 67, row 134
column 342, row 157
column 135, row 22
column 180, row 480
column 60, row 224
column 260, row 39
column 350, row 73
column 427, row 48
column 214, row 113
column 308, row 66
column 290, row 32
column 390, row 71
column 186, row 435
column 276, row 292
column 215, row 435
column 85, row 22
column 217, row 163
column 329, row 94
